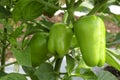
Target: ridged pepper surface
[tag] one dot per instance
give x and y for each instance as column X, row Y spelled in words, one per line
column 90, row 33
column 59, row 39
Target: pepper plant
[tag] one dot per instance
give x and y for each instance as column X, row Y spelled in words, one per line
column 41, row 47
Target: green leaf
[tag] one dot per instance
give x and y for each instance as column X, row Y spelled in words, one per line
column 12, row 40
column 38, row 27
column 109, row 36
column 43, row 25
column 32, row 10
column 18, row 31
column 2, row 74
column 13, row 76
column 113, row 59
column 4, row 2
column 25, row 42
column 70, row 63
column 31, row 29
column 27, row 10
column 23, row 56
column 105, row 75
column 116, row 19
column 45, row 72
column 117, row 36
column 17, row 12
column 114, row 53
column 82, row 64
column 30, row 71
column 12, row 37
column 66, row 77
column 48, row 10
column 86, row 73
column 116, row 40
column 105, row 8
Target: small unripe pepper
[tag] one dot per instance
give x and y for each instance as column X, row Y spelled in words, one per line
column 38, row 46
column 59, row 39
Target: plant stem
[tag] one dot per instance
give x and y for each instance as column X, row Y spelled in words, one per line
column 4, row 46
column 71, row 15
column 65, row 17
column 63, row 73
column 77, row 3
column 97, row 7
column 70, row 9
column 7, row 64
column 57, row 66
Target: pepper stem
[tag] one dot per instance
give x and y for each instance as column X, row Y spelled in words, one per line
column 57, row 67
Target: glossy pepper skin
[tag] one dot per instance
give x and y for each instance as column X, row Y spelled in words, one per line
column 90, row 34
column 38, row 46
column 59, row 39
